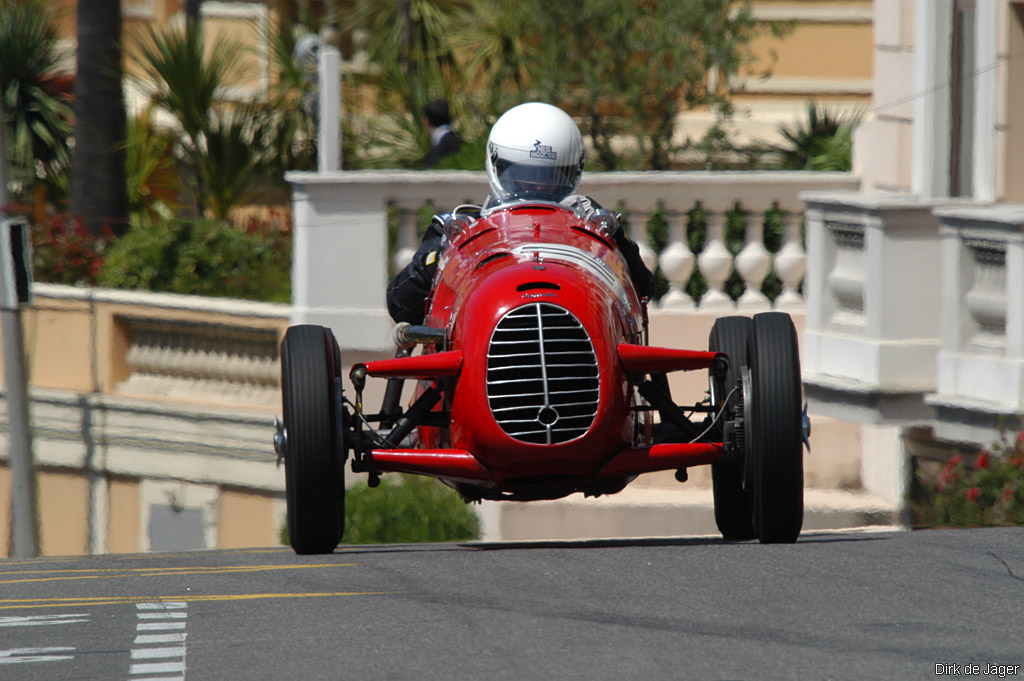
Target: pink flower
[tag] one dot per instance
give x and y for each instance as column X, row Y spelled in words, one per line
column 972, row 494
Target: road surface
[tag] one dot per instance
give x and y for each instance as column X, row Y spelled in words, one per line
column 863, row 605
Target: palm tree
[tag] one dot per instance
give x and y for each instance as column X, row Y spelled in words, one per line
column 409, row 44
column 822, row 141
column 98, row 187
column 37, row 116
column 188, row 78
column 151, row 168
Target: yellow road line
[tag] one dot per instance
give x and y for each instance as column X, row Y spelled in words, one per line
column 82, row 601
column 125, row 573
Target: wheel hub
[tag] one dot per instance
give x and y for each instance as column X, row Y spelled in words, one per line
column 280, row 440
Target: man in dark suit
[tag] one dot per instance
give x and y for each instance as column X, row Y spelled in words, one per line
column 443, row 140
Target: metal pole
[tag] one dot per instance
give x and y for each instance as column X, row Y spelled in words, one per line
column 24, row 521
column 329, row 85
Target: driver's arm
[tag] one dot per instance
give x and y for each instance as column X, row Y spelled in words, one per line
column 408, row 291
column 642, row 278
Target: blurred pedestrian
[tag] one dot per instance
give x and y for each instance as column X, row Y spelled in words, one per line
column 443, row 140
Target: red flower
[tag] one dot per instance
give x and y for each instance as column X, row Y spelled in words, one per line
column 955, row 461
column 1008, row 493
column 1020, row 437
column 972, row 494
column 983, row 459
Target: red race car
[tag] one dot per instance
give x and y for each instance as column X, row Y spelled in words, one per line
column 535, row 381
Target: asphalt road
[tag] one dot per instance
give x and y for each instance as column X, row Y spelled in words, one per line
column 832, row 606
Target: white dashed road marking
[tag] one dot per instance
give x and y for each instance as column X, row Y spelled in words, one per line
column 160, row 659
column 23, row 655
column 27, row 655
column 41, row 620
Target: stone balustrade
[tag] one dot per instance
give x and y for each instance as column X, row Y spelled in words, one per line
column 202, row 362
column 343, row 256
column 915, row 312
column 873, row 295
column 981, row 361
column 157, row 346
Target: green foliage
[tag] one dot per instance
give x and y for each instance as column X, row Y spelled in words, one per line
column 624, row 69
column 37, row 114
column 151, row 171
column 628, row 68
column 657, row 237
column 288, row 132
column 470, row 156
column 410, row 47
column 187, row 77
column 822, row 141
column 987, row 491
column 230, row 166
column 497, row 56
column 222, row 150
column 407, row 508
column 202, row 257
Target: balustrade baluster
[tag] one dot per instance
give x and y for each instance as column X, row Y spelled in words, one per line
column 753, row 263
column 715, row 263
column 790, row 263
column 677, row 262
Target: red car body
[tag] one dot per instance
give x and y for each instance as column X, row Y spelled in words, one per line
column 545, row 342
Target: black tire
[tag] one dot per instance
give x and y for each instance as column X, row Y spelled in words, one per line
column 314, row 469
column 732, row 503
column 775, row 466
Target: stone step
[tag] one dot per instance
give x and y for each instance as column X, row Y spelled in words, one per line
column 655, row 512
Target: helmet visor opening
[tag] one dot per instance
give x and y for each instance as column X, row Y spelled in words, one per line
column 545, row 182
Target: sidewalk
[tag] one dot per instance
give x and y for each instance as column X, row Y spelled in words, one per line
column 660, row 511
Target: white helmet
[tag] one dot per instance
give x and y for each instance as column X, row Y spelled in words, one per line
column 534, row 151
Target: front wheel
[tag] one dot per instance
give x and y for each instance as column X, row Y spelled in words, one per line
column 732, row 503
column 774, row 466
column 314, row 470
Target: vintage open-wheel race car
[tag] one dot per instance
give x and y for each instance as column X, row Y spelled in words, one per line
column 534, row 380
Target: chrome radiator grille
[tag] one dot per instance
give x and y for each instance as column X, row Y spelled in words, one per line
column 542, row 375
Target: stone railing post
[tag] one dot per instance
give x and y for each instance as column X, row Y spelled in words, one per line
column 790, row 262
column 715, row 261
column 677, row 262
column 753, row 263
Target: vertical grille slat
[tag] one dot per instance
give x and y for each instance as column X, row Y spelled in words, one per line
column 543, row 380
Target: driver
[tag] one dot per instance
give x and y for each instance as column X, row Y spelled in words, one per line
column 534, row 152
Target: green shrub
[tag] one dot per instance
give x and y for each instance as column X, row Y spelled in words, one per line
column 201, row 257
column 987, row 491
column 405, row 509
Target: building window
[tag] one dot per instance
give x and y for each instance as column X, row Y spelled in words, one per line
column 963, row 64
